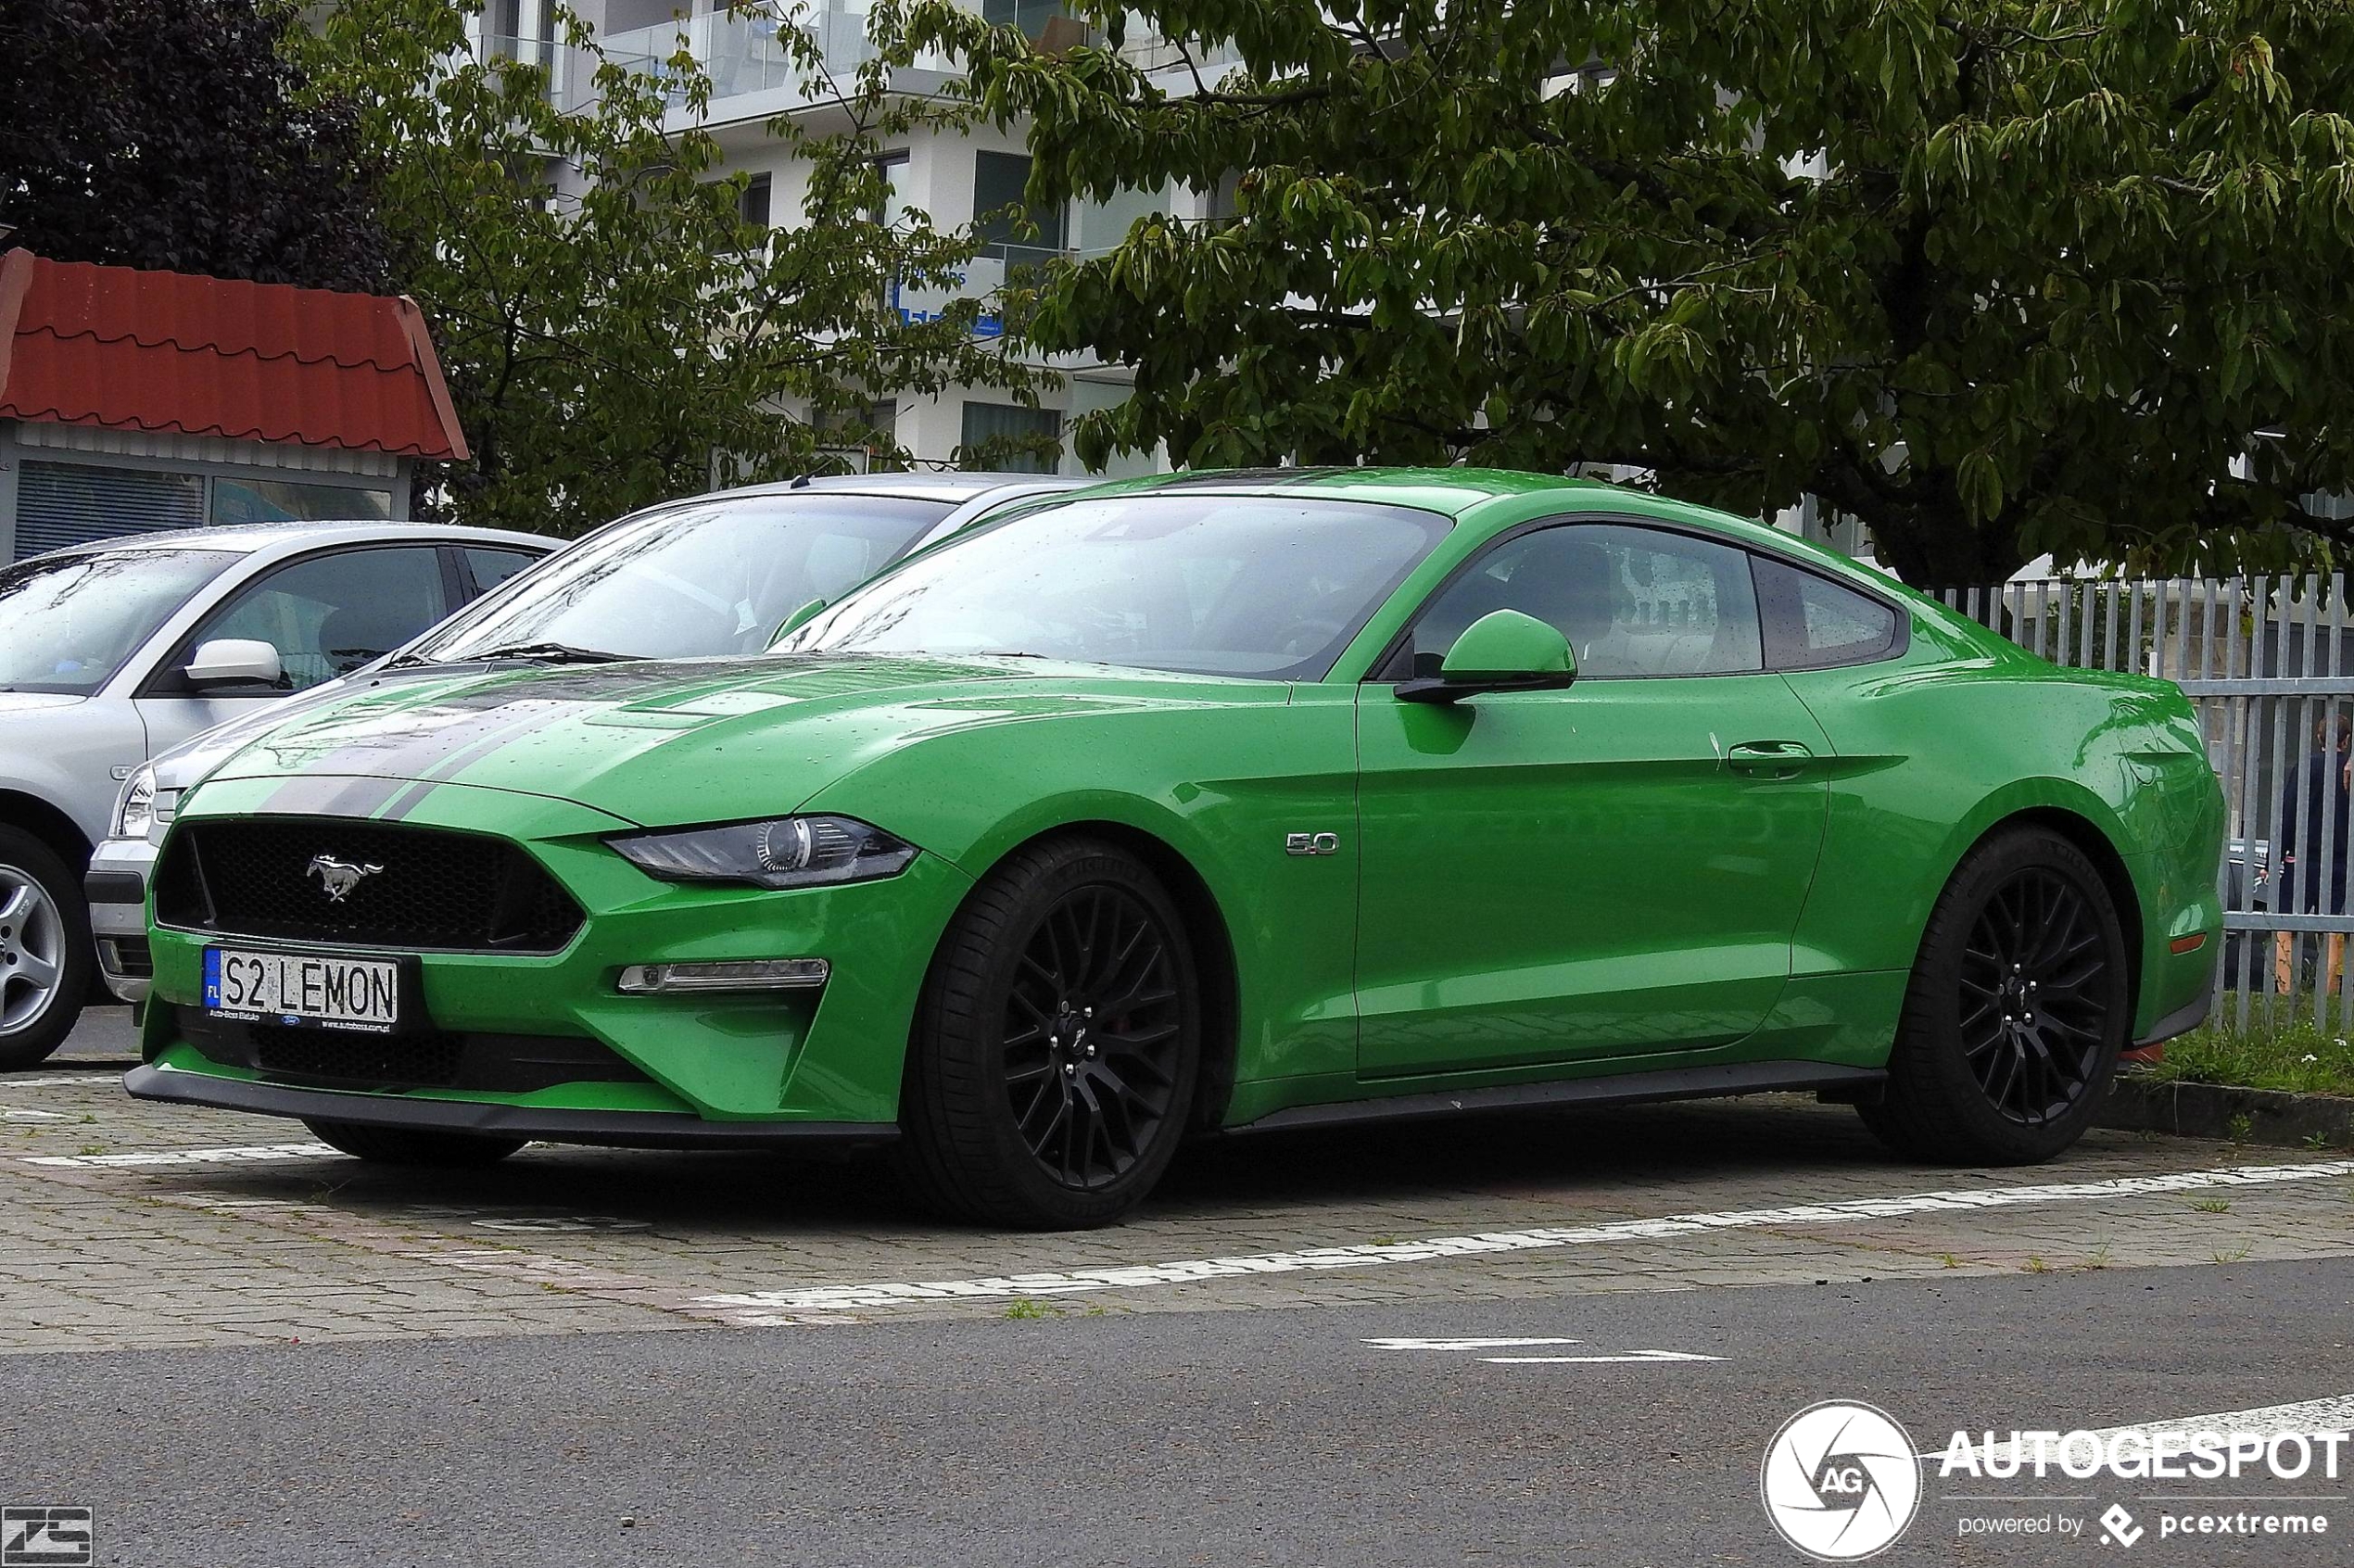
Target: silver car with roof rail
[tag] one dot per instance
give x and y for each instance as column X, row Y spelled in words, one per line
column 712, row 575
column 114, row 651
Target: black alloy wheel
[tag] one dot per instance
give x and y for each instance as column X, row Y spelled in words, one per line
column 1050, row 1074
column 2018, row 1004
column 1092, row 1036
column 2035, row 996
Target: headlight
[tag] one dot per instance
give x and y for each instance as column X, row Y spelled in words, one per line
column 784, row 851
column 144, row 807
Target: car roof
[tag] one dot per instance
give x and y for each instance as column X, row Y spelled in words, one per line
column 952, row 485
column 1449, row 490
column 249, row 538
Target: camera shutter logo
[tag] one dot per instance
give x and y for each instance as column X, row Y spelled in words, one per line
column 46, row 1537
column 1839, row 1481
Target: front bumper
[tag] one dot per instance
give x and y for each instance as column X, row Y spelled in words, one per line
column 756, row 1063
column 611, row 1129
column 116, row 889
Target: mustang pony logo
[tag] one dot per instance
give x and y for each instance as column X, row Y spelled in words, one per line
column 338, row 877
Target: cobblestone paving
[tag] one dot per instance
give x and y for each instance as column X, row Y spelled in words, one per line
column 126, row 1224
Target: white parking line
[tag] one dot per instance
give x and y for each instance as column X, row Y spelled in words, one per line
column 242, row 1155
column 757, row 1305
column 103, row 1078
column 2332, row 1414
column 1596, row 1360
column 1465, row 1344
column 1592, row 1360
column 10, row 1113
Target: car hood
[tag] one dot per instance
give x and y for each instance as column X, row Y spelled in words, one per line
column 16, row 703
column 696, row 741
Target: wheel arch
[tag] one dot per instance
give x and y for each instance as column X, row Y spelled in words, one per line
column 1205, row 925
column 2095, row 845
column 46, row 823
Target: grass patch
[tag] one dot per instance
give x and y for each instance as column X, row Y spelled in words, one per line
column 2294, row 1056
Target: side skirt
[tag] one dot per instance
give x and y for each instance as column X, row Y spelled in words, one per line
column 1831, row 1080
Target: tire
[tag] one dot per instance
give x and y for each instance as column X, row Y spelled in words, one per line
column 1021, row 1108
column 2018, row 1007
column 47, row 960
column 413, row 1145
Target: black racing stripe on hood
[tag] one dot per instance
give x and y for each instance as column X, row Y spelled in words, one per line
column 322, row 795
column 442, row 736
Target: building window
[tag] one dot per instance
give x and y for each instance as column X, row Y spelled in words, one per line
column 278, row 501
column 999, row 180
column 753, row 205
column 1033, row 17
column 66, row 503
column 1011, row 438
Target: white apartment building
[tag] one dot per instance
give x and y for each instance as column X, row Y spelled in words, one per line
column 953, row 177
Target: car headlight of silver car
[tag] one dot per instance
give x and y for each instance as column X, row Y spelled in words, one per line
column 781, row 851
column 144, row 807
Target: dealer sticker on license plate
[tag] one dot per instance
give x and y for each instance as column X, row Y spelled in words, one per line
column 303, row 988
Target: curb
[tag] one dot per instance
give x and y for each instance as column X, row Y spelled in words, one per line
column 2208, row 1110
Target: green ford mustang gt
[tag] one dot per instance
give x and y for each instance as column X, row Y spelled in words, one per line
column 1237, row 801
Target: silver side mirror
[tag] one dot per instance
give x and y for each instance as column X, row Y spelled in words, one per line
column 234, row 660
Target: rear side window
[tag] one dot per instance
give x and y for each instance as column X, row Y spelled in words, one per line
column 1812, row 622
column 491, row 567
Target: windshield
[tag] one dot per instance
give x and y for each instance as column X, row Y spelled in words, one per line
column 712, row 578
column 66, row 622
column 1256, row 585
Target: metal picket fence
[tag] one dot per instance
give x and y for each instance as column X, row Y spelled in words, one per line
column 2267, row 663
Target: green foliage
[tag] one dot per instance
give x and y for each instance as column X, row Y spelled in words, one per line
column 614, row 332
column 2290, row 1054
column 158, row 134
column 1998, row 278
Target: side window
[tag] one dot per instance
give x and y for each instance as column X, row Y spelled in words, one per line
column 1812, row 622
column 1633, row 601
column 330, row 615
column 491, row 567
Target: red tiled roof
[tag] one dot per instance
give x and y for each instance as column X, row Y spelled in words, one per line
column 135, row 350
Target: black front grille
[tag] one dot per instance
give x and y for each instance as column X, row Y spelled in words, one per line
column 425, row 889
column 426, row 1060
column 511, row 1064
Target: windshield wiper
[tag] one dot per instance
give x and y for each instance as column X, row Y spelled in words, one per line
column 537, row 652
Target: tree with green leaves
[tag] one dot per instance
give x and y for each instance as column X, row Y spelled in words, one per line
column 1996, row 278
column 615, row 331
column 178, row 137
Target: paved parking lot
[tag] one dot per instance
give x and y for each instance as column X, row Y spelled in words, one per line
column 127, row 1224
column 1522, row 1341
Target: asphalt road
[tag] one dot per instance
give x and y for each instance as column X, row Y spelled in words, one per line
column 1172, row 1438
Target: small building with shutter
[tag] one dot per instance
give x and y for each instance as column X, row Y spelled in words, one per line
column 132, row 400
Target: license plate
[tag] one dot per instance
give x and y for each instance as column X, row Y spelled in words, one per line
column 320, row 989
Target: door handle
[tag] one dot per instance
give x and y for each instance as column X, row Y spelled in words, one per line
column 1778, row 759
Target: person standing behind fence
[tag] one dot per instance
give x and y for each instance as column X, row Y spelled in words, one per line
column 2312, row 826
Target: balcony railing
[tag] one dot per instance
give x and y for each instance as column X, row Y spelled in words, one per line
column 744, row 54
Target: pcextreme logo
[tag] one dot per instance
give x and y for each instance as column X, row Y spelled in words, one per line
column 1839, row 1481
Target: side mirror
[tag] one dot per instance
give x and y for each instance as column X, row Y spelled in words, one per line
column 234, row 660
column 1503, row 650
column 798, row 619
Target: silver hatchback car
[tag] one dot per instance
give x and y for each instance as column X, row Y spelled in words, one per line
column 113, row 652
